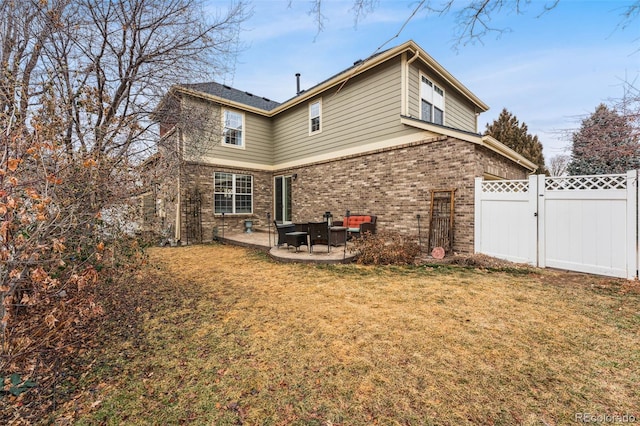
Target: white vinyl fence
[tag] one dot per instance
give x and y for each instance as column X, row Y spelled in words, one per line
column 579, row 223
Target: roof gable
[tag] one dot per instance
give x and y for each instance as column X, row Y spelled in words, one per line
column 238, row 97
column 412, row 50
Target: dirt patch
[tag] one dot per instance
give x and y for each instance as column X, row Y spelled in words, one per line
column 549, row 276
column 577, row 280
column 480, row 261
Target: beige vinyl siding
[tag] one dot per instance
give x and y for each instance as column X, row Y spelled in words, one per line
column 459, row 113
column 288, row 127
column 207, row 145
column 258, row 142
column 200, row 124
column 366, row 109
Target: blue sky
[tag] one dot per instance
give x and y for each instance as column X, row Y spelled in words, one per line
column 550, row 70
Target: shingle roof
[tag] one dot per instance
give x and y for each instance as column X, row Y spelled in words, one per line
column 226, row 92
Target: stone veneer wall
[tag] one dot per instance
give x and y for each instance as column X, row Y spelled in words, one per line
column 395, row 184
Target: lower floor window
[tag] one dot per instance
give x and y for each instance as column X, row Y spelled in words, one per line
column 233, row 193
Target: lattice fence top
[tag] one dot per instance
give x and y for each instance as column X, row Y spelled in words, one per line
column 505, row 186
column 586, row 182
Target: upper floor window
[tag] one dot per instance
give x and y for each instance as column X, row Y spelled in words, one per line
column 315, row 117
column 233, row 193
column 233, row 129
column 431, row 102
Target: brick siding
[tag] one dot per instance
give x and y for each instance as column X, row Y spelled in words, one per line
column 201, row 176
column 394, row 184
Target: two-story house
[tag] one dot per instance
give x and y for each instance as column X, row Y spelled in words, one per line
column 377, row 138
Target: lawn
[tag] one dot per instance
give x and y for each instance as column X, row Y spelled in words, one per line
column 226, row 336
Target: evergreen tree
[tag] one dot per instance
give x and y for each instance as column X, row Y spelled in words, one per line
column 605, row 143
column 508, row 130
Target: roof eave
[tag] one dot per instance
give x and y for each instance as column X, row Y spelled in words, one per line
column 497, row 146
column 222, row 101
column 485, row 141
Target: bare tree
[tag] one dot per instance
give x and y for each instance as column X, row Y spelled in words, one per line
column 629, row 103
column 473, row 18
column 78, row 83
column 24, row 29
column 558, row 165
column 132, row 52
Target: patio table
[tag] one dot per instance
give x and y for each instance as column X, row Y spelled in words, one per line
column 297, row 238
column 337, row 235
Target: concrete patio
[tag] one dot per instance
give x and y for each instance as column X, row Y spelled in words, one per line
column 262, row 239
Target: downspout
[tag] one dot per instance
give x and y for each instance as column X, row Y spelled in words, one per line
column 414, row 57
column 178, row 212
column 179, row 200
column 409, row 62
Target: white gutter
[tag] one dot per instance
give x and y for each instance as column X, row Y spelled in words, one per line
column 405, row 89
column 497, row 146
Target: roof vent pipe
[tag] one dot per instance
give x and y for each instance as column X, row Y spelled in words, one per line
column 297, row 83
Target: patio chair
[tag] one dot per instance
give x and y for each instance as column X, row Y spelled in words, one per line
column 282, row 229
column 318, row 233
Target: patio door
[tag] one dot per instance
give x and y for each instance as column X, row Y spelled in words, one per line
column 282, row 193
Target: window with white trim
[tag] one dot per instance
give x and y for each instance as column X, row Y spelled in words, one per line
column 232, row 134
column 233, row 193
column 315, row 117
column 431, row 101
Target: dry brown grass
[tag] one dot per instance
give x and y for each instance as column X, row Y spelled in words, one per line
column 234, row 338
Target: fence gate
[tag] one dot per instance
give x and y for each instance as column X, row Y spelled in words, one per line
column 193, row 222
column 505, row 220
column 580, row 223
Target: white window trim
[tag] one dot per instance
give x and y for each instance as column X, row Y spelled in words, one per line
column 233, row 194
column 315, row 132
column 244, row 129
column 433, row 104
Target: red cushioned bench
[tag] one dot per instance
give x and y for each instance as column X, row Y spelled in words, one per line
column 358, row 224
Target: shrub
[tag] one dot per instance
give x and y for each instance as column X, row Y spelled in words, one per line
column 386, row 248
